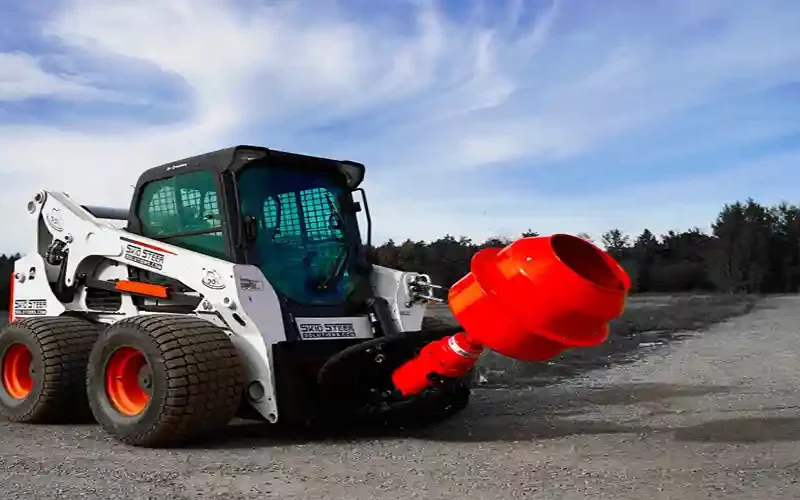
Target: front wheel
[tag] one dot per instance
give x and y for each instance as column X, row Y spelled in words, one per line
column 163, row 380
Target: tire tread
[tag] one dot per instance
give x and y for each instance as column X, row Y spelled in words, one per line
column 204, row 379
column 65, row 343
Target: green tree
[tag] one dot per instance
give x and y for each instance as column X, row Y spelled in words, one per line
column 615, row 243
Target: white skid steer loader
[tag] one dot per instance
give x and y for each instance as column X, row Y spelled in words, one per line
column 240, row 286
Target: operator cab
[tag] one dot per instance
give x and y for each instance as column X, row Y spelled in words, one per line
column 293, row 216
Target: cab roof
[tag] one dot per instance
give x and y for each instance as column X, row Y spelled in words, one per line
column 234, row 158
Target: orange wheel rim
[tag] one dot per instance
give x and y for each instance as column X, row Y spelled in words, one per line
column 17, row 378
column 128, row 381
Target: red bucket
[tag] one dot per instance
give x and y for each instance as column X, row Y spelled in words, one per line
column 539, row 296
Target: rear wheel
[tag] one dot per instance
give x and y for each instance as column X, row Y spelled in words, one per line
column 164, row 380
column 43, row 365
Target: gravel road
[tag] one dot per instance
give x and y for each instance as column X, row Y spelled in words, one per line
column 714, row 416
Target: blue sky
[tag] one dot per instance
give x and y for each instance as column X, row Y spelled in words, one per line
column 474, row 118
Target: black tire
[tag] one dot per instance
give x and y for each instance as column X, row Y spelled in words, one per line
column 59, row 349
column 196, row 380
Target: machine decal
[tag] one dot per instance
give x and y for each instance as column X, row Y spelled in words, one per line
column 54, row 219
column 246, row 284
column 334, row 328
column 146, row 245
column 30, row 307
column 144, row 256
column 213, row 280
column 327, row 330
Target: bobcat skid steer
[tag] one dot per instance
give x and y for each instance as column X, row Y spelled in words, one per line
column 238, row 285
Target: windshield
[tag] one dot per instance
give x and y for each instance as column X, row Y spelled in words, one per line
column 307, row 241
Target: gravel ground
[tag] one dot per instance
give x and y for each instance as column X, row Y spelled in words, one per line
column 648, row 320
column 713, row 416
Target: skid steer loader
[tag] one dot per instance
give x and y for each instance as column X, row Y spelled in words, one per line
column 239, row 285
column 238, row 275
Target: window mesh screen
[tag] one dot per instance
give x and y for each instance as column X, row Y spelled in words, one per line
column 180, row 204
column 161, row 216
column 289, row 225
column 319, row 217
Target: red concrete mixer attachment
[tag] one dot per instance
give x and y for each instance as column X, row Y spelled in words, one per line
column 529, row 301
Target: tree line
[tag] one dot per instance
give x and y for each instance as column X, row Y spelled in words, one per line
column 752, row 248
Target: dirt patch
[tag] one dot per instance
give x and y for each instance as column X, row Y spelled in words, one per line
column 648, row 322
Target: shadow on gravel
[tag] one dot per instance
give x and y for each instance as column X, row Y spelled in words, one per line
column 493, row 416
column 743, row 430
column 538, row 428
column 625, row 394
column 524, row 416
column 577, row 400
column 254, row 434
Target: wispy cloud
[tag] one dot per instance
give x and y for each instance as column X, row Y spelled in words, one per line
column 22, row 77
column 473, row 118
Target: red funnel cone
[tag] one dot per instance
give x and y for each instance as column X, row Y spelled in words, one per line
column 540, row 296
column 529, row 301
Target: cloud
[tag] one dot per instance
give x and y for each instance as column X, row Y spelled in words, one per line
column 22, row 77
column 476, row 118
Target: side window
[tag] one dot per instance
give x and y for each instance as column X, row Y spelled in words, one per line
column 186, row 203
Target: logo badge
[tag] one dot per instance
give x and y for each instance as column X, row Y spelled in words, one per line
column 54, row 219
column 213, row 280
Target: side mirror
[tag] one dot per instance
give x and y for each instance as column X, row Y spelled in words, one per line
column 366, row 213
